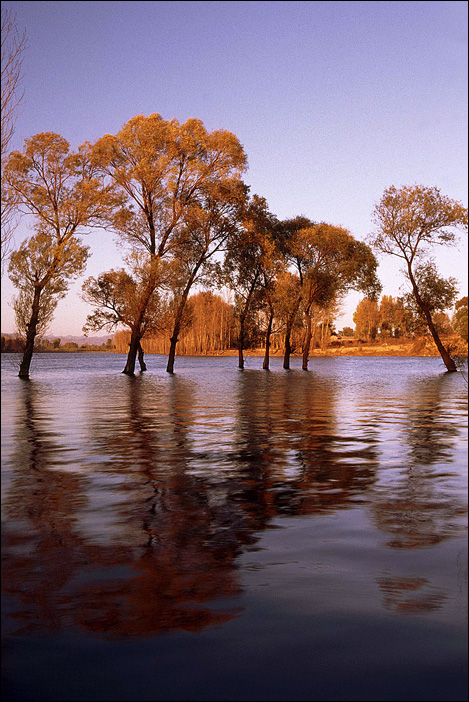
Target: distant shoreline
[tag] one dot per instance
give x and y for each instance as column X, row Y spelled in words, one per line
column 317, row 353
column 418, row 347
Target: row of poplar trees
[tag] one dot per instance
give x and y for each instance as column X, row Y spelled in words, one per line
column 174, row 196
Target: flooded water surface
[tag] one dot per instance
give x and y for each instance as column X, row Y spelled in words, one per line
column 219, row 534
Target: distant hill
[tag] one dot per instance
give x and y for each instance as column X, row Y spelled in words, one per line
column 80, row 340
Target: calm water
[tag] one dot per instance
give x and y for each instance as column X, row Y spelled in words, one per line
column 234, row 535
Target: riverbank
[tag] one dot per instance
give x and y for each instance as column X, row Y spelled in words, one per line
column 420, row 347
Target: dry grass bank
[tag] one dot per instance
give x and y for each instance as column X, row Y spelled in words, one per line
column 422, row 346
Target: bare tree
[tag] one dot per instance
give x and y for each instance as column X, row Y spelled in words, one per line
column 13, row 46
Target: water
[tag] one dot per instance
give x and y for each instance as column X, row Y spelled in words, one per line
column 234, row 535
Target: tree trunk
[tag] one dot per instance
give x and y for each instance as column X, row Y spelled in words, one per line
column 176, row 329
column 447, row 360
column 133, row 350
column 241, row 344
column 307, row 341
column 141, row 354
column 288, row 350
column 265, row 365
column 137, row 334
column 172, row 352
column 31, row 332
column 288, row 332
column 179, row 315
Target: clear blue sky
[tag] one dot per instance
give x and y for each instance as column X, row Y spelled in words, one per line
column 333, row 101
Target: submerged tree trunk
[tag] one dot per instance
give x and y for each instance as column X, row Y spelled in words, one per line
column 137, row 333
column 134, row 347
column 172, row 351
column 288, row 333
column 447, row 360
column 288, row 350
column 242, row 322
column 288, row 346
column 179, row 314
column 307, row 340
column 265, row 365
column 141, row 354
column 176, row 329
column 241, row 344
column 31, row 333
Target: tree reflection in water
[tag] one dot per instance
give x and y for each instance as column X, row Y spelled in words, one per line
column 406, row 595
column 42, row 547
column 144, row 535
column 419, row 513
column 289, row 439
column 416, row 511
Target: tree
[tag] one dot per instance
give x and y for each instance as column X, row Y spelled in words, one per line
column 60, row 189
column 115, row 296
column 212, row 220
column 286, row 235
column 408, row 222
column 367, row 318
column 161, row 167
column 272, row 299
column 459, row 320
column 250, row 257
column 13, row 47
column 329, row 262
column 42, row 270
column 396, row 318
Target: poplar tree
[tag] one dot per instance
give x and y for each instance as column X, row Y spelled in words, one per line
column 208, row 226
column 62, row 192
column 250, row 259
column 329, row 261
column 409, row 222
column 161, row 168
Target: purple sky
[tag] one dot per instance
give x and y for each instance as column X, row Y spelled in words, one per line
column 333, row 101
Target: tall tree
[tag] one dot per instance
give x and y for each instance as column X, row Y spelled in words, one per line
column 62, row 192
column 329, row 262
column 13, row 47
column 408, row 222
column 207, row 226
column 367, row 319
column 250, row 257
column 42, row 269
column 286, row 236
column 272, row 293
column 161, row 168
